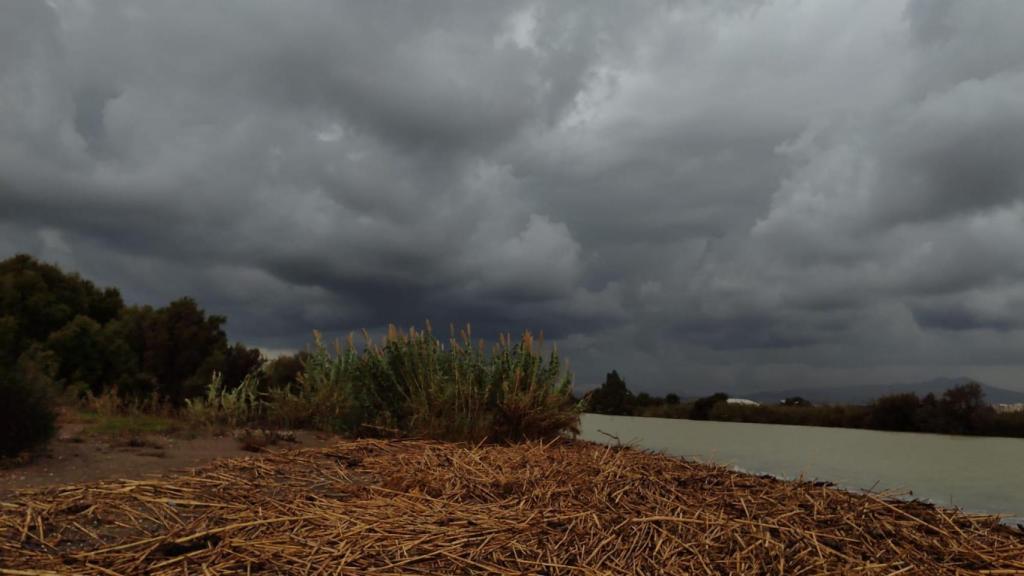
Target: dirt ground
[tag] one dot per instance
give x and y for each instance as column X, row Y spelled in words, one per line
column 74, row 456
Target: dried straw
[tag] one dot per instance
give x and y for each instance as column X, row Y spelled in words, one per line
column 416, row 507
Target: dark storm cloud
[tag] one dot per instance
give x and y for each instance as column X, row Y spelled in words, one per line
column 703, row 195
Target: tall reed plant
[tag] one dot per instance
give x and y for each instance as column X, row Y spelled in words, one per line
column 244, row 404
column 416, row 384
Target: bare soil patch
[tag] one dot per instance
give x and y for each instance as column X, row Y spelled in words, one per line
column 84, row 452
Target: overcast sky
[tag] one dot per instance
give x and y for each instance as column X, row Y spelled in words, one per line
column 703, row 195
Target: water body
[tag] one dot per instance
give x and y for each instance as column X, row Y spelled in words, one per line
column 974, row 474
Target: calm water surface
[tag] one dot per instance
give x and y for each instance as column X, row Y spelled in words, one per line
column 975, row 474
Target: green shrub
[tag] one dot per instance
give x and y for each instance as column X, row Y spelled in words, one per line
column 222, row 407
column 27, row 416
column 413, row 383
column 323, row 396
column 291, row 409
column 410, row 384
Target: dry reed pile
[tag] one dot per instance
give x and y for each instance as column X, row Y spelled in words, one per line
column 414, row 507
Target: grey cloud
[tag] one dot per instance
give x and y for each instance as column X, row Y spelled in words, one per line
column 702, row 195
column 957, row 153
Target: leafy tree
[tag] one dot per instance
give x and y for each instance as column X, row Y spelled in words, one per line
column 38, row 366
column 703, row 406
column 8, row 344
column 102, row 343
column 239, row 361
column 182, row 347
column 43, row 298
column 124, row 346
column 612, row 397
column 39, row 303
column 282, row 372
column 929, row 417
column 895, row 412
column 672, row 399
column 80, row 350
column 965, row 409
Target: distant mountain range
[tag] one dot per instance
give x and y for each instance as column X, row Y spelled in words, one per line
column 865, row 394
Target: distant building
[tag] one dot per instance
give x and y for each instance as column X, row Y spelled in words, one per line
column 742, row 402
column 1007, row 408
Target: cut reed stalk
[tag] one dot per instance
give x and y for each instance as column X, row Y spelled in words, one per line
column 422, row 507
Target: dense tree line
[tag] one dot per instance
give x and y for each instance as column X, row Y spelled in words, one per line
column 62, row 335
column 959, row 410
column 98, row 343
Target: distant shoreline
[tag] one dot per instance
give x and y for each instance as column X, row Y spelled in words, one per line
column 959, row 410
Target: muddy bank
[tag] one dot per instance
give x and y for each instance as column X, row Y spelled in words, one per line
column 76, row 458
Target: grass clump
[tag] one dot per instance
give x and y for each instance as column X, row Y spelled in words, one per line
column 113, row 416
column 459, row 391
column 228, row 407
column 414, row 384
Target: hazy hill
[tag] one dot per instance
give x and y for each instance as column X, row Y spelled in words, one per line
column 867, row 393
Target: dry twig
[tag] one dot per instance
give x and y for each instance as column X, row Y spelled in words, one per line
column 417, row 507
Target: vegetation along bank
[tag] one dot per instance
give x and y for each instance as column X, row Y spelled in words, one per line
column 69, row 343
column 962, row 409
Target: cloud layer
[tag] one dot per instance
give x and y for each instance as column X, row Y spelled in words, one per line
column 703, row 195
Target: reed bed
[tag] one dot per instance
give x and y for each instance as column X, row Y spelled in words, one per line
column 423, row 507
column 410, row 383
